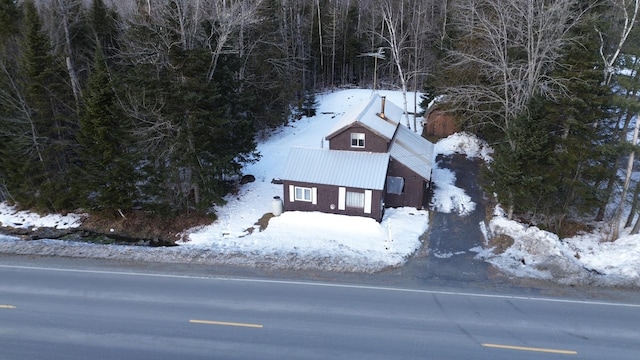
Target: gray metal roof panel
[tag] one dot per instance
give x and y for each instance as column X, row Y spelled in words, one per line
column 334, row 167
column 413, row 151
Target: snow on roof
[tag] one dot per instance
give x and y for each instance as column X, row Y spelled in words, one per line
column 366, row 113
column 413, row 151
column 356, row 169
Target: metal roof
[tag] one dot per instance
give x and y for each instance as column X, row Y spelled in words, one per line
column 413, row 151
column 366, row 113
column 356, row 169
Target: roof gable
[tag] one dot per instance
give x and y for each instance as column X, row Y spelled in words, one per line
column 367, row 114
column 334, row 167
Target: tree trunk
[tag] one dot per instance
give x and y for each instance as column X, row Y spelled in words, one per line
column 73, row 75
column 634, row 205
column 636, row 227
column 609, row 189
column 615, row 221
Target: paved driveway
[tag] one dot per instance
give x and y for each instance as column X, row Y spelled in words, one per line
column 445, row 255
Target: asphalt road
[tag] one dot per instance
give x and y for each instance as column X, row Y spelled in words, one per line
column 78, row 312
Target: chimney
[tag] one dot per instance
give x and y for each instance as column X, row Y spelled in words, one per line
column 382, row 101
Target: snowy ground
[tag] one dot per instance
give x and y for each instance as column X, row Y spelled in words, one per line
column 297, row 240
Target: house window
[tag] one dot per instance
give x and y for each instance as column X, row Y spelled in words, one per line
column 355, row 199
column 302, row 194
column 395, row 185
column 357, row 140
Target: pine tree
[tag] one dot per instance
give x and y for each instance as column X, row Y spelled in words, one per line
column 9, row 16
column 104, row 27
column 107, row 170
column 560, row 157
column 41, row 131
column 9, row 23
column 516, row 175
column 192, row 135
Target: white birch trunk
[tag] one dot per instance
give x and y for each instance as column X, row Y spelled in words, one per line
column 615, row 221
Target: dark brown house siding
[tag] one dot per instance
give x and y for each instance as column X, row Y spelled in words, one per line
column 327, row 201
column 414, row 187
column 373, row 141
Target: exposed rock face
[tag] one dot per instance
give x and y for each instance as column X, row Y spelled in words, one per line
column 440, row 124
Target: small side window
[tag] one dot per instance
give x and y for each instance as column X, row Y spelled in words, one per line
column 302, row 194
column 395, row 185
column 357, row 140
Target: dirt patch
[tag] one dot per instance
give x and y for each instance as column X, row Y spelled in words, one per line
column 571, row 228
column 139, row 225
column 500, row 243
column 263, row 222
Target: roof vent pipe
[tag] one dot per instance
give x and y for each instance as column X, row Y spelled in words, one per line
column 382, row 101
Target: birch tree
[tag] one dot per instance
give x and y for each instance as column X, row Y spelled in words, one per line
column 65, row 10
column 396, row 37
column 627, row 11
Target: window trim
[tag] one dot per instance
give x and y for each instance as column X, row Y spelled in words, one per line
column 358, row 138
column 304, row 191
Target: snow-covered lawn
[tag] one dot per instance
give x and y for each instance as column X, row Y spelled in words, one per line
column 297, row 240
column 25, row 219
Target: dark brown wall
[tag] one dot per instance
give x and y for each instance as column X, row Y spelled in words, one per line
column 440, row 124
column 414, row 187
column 328, row 195
column 372, row 141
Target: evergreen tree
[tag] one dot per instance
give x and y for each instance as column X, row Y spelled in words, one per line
column 108, row 174
column 9, row 24
column 9, row 16
column 192, row 135
column 516, row 175
column 38, row 144
column 104, row 27
column 560, row 157
column 277, row 66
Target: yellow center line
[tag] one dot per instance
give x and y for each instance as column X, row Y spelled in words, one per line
column 523, row 348
column 7, row 306
column 224, row 323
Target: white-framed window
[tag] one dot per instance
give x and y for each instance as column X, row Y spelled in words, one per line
column 357, row 140
column 355, row 199
column 302, row 194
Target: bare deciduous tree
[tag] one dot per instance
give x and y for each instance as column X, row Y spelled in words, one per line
column 397, row 38
column 21, row 126
column 228, row 17
column 513, row 45
column 628, row 10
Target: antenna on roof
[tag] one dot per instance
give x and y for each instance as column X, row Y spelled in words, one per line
column 375, row 55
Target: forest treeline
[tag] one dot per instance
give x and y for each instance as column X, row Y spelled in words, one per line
column 157, row 104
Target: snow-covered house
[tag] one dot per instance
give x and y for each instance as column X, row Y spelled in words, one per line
column 372, row 162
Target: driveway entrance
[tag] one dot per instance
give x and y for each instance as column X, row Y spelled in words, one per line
column 445, row 254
